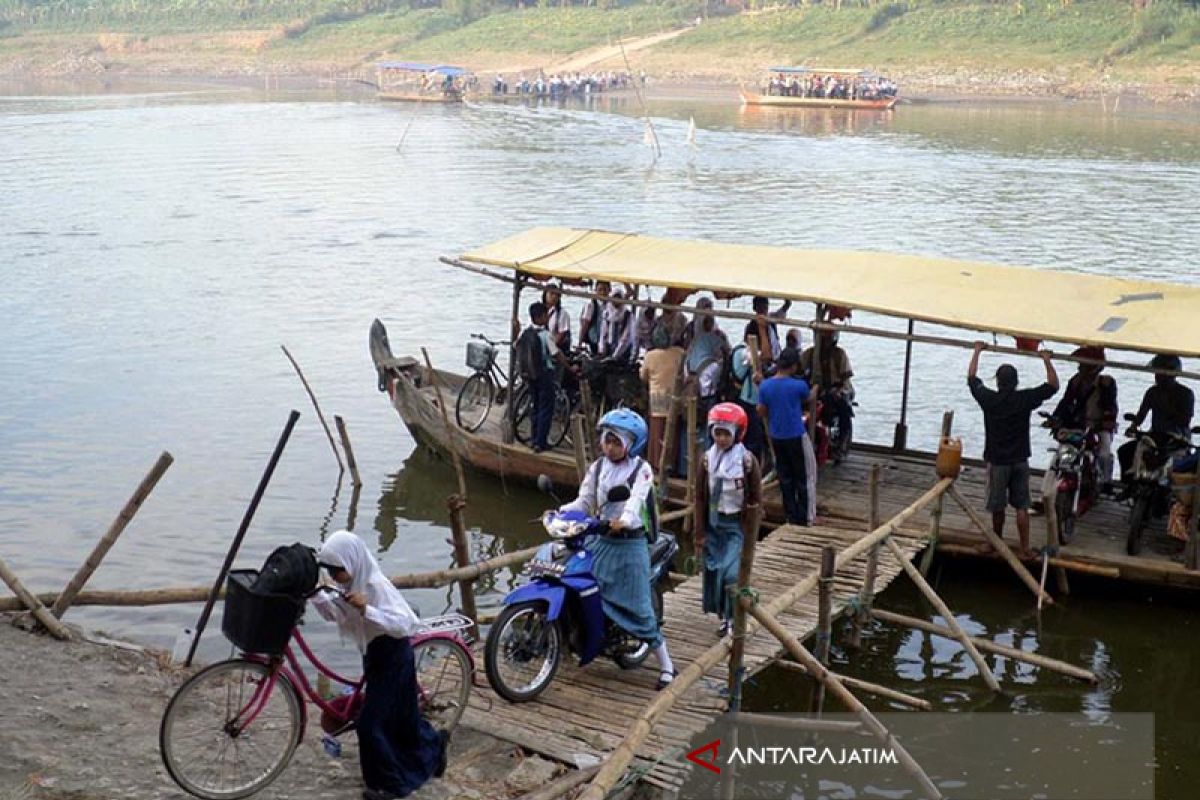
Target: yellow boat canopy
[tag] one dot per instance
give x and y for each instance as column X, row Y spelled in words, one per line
column 1020, row 301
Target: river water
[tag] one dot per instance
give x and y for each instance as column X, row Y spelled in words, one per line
column 160, row 244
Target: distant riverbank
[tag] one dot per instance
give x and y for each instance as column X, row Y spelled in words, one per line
column 1095, row 48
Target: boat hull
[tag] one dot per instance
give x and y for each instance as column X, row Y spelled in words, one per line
column 752, row 99
column 406, row 97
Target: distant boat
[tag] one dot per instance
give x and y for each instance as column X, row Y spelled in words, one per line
column 408, row 81
column 883, row 102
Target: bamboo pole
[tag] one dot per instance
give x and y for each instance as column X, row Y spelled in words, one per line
column 866, row 686
column 581, row 459
column 807, row 724
column 316, row 406
column 988, row 646
column 508, row 431
column 866, row 594
column 1001, row 547
column 350, row 460
column 843, row 695
column 437, row 388
column 110, row 537
column 745, row 572
column 462, row 558
column 196, row 594
column 624, row 753
column 668, row 448
column 915, row 576
column 824, row 623
column 589, row 420
column 1052, row 540
column 1192, row 548
column 935, row 518
column 31, row 601
column 900, row 435
column 562, row 785
column 693, row 474
column 850, row 329
column 1057, row 562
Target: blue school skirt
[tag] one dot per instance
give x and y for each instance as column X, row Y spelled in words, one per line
column 622, row 570
column 722, row 557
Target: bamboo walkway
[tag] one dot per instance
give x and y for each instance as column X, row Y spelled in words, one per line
column 588, row 711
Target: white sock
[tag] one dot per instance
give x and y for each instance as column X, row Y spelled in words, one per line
column 664, row 658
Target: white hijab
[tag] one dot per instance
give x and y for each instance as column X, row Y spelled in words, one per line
column 348, row 551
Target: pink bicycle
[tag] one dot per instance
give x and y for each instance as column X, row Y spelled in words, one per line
column 228, row 733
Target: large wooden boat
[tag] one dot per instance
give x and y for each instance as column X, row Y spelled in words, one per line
column 877, row 101
column 412, row 82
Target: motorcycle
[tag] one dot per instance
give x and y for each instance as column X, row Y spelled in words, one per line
column 1150, row 491
column 830, row 442
column 1077, row 468
column 560, row 608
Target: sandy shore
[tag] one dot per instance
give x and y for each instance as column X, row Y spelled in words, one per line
column 80, row 722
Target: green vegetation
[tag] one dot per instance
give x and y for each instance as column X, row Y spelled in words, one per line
column 1017, row 35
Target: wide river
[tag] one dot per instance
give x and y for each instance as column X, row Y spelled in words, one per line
column 159, row 244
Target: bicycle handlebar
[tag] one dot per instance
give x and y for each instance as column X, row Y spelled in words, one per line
column 493, row 343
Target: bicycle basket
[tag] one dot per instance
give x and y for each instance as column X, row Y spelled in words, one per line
column 480, row 356
column 257, row 622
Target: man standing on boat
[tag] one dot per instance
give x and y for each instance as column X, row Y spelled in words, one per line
column 1006, row 412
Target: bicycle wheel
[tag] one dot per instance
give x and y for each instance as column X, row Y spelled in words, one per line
column 560, row 423
column 523, row 411
column 444, row 678
column 474, row 401
column 204, row 745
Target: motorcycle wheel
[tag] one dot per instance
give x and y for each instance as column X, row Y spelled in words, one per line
column 633, row 658
column 1066, row 517
column 523, row 652
column 1139, row 515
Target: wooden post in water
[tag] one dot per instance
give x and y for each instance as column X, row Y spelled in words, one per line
column 110, row 537
column 866, row 595
column 1052, row 541
column 693, row 474
column 935, row 518
column 316, row 407
column 915, row 576
column 581, row 459
column 824, row 622
column 350, row 460
column 740, row 604
column 462, row 558
column 40, row 612
column 509, row 428
column 900, row 437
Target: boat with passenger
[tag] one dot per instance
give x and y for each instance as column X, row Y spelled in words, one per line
column 411, row 81
column 824, row 87
column 929, row 294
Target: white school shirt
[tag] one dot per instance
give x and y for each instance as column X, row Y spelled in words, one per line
column 615, row 474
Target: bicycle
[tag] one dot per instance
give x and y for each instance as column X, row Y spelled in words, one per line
column 486, row 385
column 227, row 733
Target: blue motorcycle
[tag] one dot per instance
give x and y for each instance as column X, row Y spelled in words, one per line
column 560, row 609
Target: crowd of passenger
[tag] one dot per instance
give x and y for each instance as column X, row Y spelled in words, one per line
column 834, row 87
column 567, row 84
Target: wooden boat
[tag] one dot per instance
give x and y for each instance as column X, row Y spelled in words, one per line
column 413, row 82
column 787, row 101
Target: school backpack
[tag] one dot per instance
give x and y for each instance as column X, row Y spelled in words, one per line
column 291, row 569
column 529, row 356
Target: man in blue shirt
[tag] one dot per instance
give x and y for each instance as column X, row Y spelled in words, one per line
column 781, row 401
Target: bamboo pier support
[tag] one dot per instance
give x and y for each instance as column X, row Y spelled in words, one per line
column 33, row 603
column 437, row 388
column 1002, row 548
column 668, row 448
column 989, row 646
column 738, row 628
column 316, row 407
column 866, row 686
column 866, row 595
column 462, row 558
column 561, row 786
column 846, row 697
column 197, row 594
column 935, row 518
column 350, row 460
column 623, row 754
column 580, row 446
column 589, row 421
column 916, row 577
column 1057, row 562
column 806, row 724
column 1053, row 540
column 693, row 474
column 824, row 623
column 110, row 537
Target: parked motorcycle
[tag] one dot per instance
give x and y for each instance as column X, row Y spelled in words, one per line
column 1077, row 467
column 830, row 441
column 560, row 608
column 1149, row 491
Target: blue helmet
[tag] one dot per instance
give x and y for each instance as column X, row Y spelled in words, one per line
column 629, row 422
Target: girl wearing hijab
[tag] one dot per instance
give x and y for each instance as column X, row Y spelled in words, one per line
column 730, row 485
column 621, row 556
column 398, row 749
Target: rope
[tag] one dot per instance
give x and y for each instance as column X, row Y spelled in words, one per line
column 636, row 773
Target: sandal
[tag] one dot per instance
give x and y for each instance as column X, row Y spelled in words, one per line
column 665, row 679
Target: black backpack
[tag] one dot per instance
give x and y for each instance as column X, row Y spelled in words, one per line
column 530, row 359
column 291, row 570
